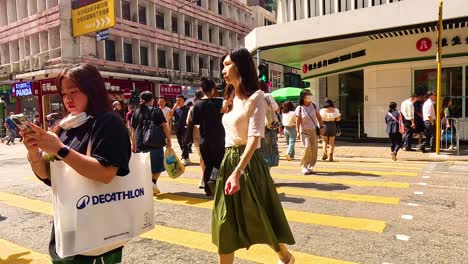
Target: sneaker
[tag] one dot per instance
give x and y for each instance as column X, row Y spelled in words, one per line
column 307, row 171
column 292, row 260
column 287, row 157
column 394, row 156
column 201, row 185
column 156, row 190
column 409, row 149
column 186, row 162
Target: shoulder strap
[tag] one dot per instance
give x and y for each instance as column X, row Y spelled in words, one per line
column 390, row 114
column 310, row 115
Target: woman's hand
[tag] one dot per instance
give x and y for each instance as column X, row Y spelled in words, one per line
column 29, row 141
column 232, row 183
column 46, row 141
column 168, row 143
column 322, row 131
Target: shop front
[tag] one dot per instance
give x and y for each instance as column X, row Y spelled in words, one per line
column 27, row 96
column 170, row 92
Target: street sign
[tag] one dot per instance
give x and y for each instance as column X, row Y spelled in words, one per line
column 127, row 93
column 102, row 35
column 93, row 17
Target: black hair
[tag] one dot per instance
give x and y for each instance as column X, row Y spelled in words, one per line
column 392, row 106
column 181, row 96
column 248, row 81
column 145, row 97
column 328, row 103
column 303, row 94
column 207, row 85
column 287, row 107
column 198, row 95
column 446, row 102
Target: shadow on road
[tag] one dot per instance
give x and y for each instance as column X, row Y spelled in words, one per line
column 16, row 259
column 347, row 173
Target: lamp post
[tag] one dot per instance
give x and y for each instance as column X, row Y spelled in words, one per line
column 178, row 35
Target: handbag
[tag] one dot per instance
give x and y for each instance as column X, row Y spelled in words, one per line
column 92, row 218
column 153, row 134
column 172, row 164
column 399, row 121
column 317, row 128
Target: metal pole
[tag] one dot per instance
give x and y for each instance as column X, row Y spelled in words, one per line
column 258, row 61
column 439, row 79
column 359, row 122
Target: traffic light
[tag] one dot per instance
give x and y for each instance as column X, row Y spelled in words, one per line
column 263, row 72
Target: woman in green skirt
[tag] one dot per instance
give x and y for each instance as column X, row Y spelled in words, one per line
column 247, row 209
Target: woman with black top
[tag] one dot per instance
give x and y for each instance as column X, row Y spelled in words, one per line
column 147, row 112
column 207, row 114
column 90, row 120
column 393, row 129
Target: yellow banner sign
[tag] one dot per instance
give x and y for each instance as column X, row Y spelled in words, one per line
column 93, row 17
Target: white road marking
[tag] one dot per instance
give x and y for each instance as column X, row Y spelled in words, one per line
column 407, row 217
column 412, row 204
column 422, row 183
column 426, row 177
column 403, row 237
column 419, row 193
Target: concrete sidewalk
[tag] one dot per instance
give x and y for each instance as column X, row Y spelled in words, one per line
column 379, row 150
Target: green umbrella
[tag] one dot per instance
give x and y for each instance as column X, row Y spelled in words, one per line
column 286, row 94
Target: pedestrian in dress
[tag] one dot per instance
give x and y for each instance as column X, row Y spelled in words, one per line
column 393, row 129
column 330, row 115
column 289, row 123
column 90, row 123
column 309, row 125
column 207, row 114
column 247, row 209
column 146, row 112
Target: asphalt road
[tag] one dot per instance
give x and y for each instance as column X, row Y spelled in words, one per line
column 354, row 210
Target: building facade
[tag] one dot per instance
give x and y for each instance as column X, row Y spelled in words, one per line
column 364, row 54
column 154, row 42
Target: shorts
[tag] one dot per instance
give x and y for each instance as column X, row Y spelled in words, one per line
column 157, row 158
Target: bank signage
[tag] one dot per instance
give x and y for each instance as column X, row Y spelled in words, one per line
column 22, row 89
column 424, row 44
column 326, row 62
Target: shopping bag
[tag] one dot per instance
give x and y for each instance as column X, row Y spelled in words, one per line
column 92, row 218
column 172, row 164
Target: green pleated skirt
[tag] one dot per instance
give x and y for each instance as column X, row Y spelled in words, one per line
column 254, row 214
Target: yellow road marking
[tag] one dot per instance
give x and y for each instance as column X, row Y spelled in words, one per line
column 202, row 241
column 185, row 238
column 296, row 216
column 363, row 172
column 13, row 254
column 311, row 178
column 311, row 193
column 345, row 164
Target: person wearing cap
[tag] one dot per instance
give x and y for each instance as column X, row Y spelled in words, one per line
column 330, row 115
column 146, row 112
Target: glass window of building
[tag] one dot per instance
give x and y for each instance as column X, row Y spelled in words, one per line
column 201, row 63
column 174, row 24
column 126, row 10
column 200, row 32
column 188, row 28
column 211, row 67
column 110, row 50
column 144, row 56
column 268, row 22
column 220, row 8
column 188, row 63
column 142, row 15
column 452, row 86
column 161, row 58
column 221, row 41
column 210, row 35
column 199, row 3
column 160, row 20
column 175, row 59
column 128, row 53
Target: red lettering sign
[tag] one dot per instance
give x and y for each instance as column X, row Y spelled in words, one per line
column 170, row 90
column 424, row 44
column 305, row 68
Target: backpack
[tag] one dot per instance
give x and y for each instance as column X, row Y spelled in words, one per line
column 401, row 126
column 271, row 119
column 153, row 134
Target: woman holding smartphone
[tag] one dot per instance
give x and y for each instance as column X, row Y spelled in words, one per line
column 90, row 123
column 247, row 209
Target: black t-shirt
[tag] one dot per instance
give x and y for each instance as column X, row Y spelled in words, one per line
column 147, row 113
column 110, row 145
column 180, row 119
column 207, row 114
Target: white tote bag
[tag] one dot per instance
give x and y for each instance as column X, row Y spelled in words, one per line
column 92, row 218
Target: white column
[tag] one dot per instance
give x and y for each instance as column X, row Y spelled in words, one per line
column 196, row 66
column 182, row 60
column 154, row 57
column 168, row 20
column 21, row 46
column 136, row 51
column 336, row 6
column 151, row 14
column 306, row 8
column 119, row 51
column 464, row 84
column 216, row 35
column 180, row 24
column 118, row 8
column 353, row 5
column 291, row 10
column 4, row 53
column 321, row 6
column 32, row 7
column 34, row 44
column 11, row 11
column 3, row 13
column 41, row 5
column 100, row 47
column 169, row 58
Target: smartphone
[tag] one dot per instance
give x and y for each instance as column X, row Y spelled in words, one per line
column 21, row 122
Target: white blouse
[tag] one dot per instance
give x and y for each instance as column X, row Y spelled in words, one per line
column 327, row 116
column 246, row 119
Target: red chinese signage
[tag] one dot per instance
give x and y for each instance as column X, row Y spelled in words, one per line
column 305, row 68
column 170, row 90
column 424, row 44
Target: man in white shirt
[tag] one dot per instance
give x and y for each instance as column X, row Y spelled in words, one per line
column 165, row 110
column 407, row 109
column 429, row 117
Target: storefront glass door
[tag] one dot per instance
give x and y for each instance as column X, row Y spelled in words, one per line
column 351, row 95
column 453, row 86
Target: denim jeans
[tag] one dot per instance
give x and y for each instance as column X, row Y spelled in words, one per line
column 290, row 134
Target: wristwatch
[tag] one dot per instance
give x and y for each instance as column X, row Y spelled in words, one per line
column 63, row 152
column 241, row 171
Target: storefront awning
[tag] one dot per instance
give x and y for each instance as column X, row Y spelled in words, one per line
column 132, row 76
column 48, row 73
column 294, row 42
